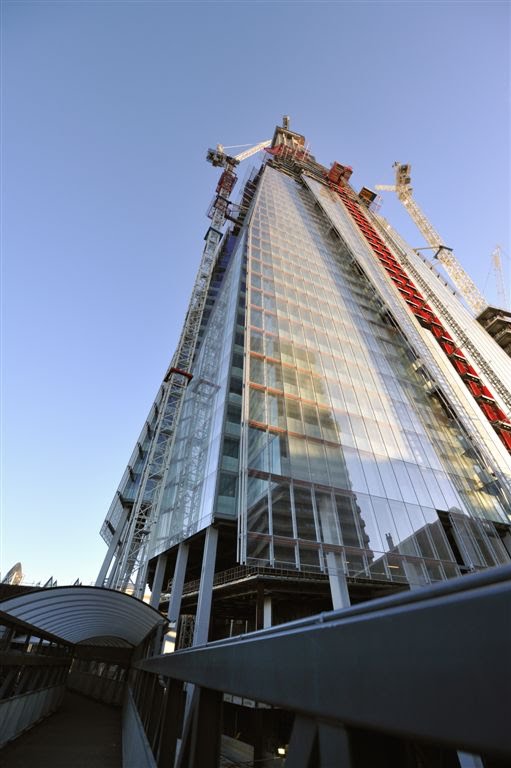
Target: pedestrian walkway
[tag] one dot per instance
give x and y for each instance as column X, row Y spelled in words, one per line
column 82, row 734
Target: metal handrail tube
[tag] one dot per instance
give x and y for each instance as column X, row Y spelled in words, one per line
column 426, row 665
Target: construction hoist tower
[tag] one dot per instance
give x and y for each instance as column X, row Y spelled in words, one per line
column 132, row 515
column 445, row 255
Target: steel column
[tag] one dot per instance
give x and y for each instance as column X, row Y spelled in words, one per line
column 100, row 581
column 176, row 593
column 300, row 752
column 201, row 633
column 158, row 580
column 337, row 579
column 171, row 723
column 334, row 747
column 267, row 612
column 207, row 730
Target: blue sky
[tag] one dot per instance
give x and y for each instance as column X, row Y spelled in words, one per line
column 108, row 109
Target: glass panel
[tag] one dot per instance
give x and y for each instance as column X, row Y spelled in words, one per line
column 327, row 518
column 305, row 523
column 257, row 370
column 347, row 513
column 257, row 409
column 285, row 554
column 258, row 550
column 299, row 458
column 282, row 517
column 318, row 463
column 258, row 455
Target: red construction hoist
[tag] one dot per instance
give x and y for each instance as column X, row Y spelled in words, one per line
column 418, row 305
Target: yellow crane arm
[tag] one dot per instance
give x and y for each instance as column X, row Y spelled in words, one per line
column 460, row 278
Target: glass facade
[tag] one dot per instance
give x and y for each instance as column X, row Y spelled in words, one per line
column 320, row 420
column 344, row 448
column 194, row 479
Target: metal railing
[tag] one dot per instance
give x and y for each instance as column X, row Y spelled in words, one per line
column 423, row 673
column 376, row 565
column 33, row 672
column 243, row 572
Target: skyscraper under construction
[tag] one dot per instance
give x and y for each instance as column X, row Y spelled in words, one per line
column 334, row 425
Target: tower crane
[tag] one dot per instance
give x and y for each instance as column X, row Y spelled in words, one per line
column 498, row 269
column 219, row 158
column 462, row 281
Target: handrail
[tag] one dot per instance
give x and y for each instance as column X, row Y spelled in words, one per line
column 248, row 571
column 424, row 665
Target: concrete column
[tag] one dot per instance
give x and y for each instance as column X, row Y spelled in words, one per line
column 206, row 587
column 158, row 580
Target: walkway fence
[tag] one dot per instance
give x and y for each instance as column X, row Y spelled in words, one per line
column 419, row 678
column 34, row 666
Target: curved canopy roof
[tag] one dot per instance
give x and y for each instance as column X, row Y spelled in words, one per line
column 86, row 614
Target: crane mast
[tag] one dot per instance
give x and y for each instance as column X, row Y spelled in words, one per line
column 498, row 269
column 461, row 280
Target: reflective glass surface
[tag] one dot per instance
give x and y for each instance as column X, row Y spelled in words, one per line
column 195, row 478
column 344, row 447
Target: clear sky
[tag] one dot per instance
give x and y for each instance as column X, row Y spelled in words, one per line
column 107, row 111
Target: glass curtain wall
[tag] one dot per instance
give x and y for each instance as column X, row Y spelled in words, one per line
column 189, row 496
column 343, row 450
